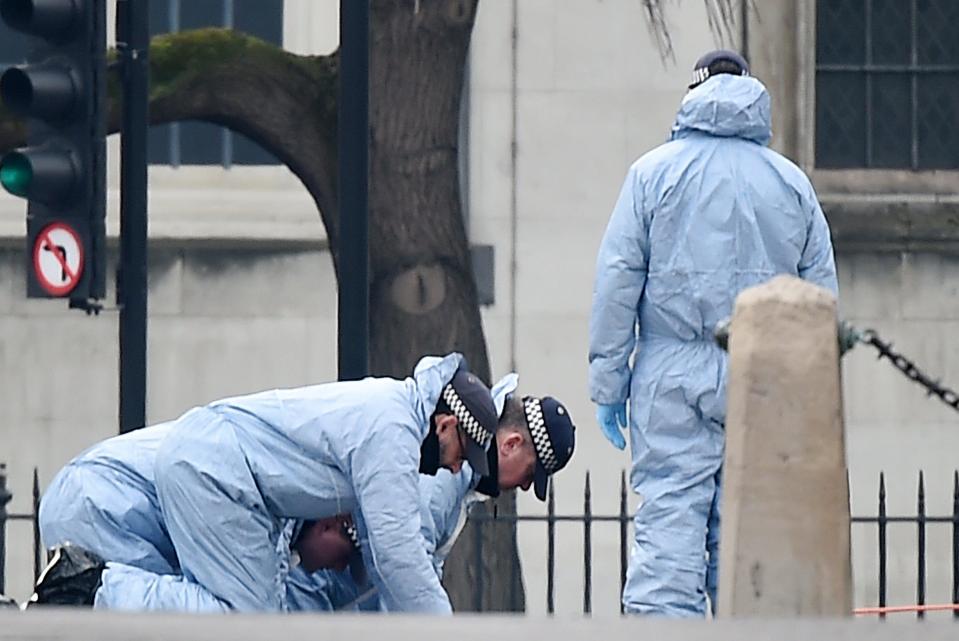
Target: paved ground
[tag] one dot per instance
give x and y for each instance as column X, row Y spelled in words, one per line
column 91, row 626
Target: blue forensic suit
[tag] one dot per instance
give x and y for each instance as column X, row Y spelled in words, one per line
column 444, row 504
column 104, row 500
column 230, row 474
column 88, row 503
column 445, row 501
column 235, row 478
column 700, row 218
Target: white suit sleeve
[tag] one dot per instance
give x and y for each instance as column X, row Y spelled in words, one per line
column 817, row 264
column 385, row 474
column 620, row 279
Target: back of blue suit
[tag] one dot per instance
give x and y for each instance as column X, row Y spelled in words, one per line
column 700, row 218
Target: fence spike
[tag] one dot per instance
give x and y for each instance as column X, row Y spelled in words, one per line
column 550, row 548
column 881, row 523
column 623, row 515
column 5, row 497
column 921, row 546
column 35, row 518
column 587, row 548
column 955, row 541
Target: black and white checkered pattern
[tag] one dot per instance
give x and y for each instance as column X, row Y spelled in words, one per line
column 470, row 425
column 701, row 74
column 537, row 429
column 349, row 530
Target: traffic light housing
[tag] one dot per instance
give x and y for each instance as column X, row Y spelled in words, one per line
column 61, row 94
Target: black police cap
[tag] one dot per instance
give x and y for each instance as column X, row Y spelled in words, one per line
column 554, row 438
column 718, row 62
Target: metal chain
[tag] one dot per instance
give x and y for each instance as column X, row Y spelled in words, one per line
column 849, row 337
column 909, row 369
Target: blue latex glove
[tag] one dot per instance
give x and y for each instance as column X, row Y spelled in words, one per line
column 612, row 420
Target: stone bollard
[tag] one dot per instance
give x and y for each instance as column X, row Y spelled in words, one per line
column 785, row 509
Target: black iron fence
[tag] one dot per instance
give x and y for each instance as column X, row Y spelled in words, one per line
column 921, row 519
column 881, row 521
column 5, row 497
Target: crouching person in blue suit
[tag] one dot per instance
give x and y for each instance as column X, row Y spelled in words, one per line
column 234, row 481
column 534, row 439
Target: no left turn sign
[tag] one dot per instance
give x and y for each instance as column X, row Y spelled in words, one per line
column 58, row 259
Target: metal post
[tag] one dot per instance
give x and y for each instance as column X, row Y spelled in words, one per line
column 882, row 543
column 869, row 89
column 133, row 43
column 5, row 497
column 914, row 82
column 955, row 542
column 587, row 549
column 921, row 547
column 623, row 515
column 550, row 549
column 353, row 149
column 226, row 135
column 35, row 518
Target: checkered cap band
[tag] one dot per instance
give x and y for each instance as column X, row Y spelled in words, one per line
column 349, row 530
column 701, row 74
column 470, row 425
column 537, row 429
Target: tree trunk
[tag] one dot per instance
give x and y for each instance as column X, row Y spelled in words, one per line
column 422, row 294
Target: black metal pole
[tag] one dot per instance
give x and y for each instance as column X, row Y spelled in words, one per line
column 353, row 140
column 921, row 546
column 587, row 548
column 35, row 518
column 5, row 497
column 133, row 42
column 883, row 521
column 550, row 549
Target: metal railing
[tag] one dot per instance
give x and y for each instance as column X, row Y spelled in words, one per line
column 551, row 518
column 479, row 520
column 881, row 521
column 921, row 520
column 33, row 517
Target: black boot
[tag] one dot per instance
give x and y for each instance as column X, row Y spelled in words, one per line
column 72, row 577
column 7, row 602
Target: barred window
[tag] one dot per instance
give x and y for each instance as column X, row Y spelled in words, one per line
column 200, row 143
column 887, row 84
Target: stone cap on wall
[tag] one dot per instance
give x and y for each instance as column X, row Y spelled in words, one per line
column 266, row 207
column 895, row 222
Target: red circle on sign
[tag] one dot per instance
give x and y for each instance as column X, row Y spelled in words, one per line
column 71, row 274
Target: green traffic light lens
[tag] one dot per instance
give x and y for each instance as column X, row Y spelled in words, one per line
column 16, row 174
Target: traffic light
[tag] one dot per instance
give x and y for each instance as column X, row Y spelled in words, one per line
column 61, row 94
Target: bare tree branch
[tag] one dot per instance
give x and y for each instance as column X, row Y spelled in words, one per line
column 722, row 20
column 720, row 14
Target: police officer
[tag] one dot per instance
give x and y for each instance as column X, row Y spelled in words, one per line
column 223, row 485
column 535, row 439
